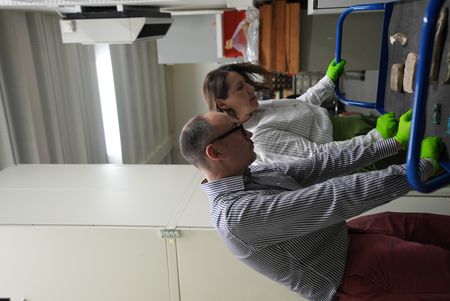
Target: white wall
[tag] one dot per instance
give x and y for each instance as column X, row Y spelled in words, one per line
column 365, row 90
column 185, row 95
column 361, row 41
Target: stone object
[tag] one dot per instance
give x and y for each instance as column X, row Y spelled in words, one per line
column 410, row 72
column 436, row 114
column 439, row 39
column 397, row 77
column 398, row 38
column 447, row 79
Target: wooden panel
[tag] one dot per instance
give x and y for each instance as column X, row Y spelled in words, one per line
column 293, row 37
column 280, row 35
column 287, row 33
column 266, row 37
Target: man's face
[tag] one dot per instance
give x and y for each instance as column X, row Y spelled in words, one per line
column 232, row 140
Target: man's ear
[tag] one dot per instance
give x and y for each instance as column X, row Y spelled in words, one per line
column 221, row 104
column 213, row 153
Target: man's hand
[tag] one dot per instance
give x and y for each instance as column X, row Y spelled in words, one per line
column 404, row 128
column 335, row 70
column 387, row 125
column 431, row 149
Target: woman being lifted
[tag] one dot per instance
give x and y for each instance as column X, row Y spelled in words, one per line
column 286, row 129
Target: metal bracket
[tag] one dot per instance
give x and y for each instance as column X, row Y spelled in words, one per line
column 169, row 233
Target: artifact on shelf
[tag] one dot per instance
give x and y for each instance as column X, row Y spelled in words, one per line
column 396, row 80
column 398, row 38
column 409, row 73
column 447, row 80
column 439, row 39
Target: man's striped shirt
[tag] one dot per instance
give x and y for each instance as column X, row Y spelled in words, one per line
column 287, row 220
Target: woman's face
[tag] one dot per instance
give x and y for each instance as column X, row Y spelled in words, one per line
column 241, row 95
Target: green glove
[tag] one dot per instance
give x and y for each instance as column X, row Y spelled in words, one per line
column 431, row 149
column 334, row 70
column 387, row 125
column 404, row 127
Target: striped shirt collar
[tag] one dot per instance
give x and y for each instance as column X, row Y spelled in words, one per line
column 225, row 185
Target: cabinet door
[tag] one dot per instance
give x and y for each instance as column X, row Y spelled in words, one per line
column 208, row 271
column 190, row 39
column 82, row 263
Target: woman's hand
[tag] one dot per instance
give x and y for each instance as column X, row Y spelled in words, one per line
column 335, row 70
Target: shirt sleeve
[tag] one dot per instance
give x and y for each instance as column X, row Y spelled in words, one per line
column 264, row 219
column 319, row 92
column 337, row 161
column 274, row 145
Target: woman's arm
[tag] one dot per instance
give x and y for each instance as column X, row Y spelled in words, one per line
column 338, row 162
column 319, row 92
column 274, row 145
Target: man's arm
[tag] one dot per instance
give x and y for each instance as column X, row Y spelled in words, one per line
column 267, row 218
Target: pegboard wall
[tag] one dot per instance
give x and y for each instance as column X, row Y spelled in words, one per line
column 407, row 18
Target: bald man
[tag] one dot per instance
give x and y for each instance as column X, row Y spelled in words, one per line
column 288, row 220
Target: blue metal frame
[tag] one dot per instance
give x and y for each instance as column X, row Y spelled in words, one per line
column 421, row 87
column 420, row 100
column 379, row 103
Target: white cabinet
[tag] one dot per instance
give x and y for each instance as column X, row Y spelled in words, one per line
column 94, row 232
column 73, row 263
column 316, row 7
column 194, row 37
column 208, row 271
column 87, row 232
column 191, row 39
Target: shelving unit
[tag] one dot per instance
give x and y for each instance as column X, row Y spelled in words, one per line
column 420, row 41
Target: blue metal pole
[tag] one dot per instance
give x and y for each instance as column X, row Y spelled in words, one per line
column 420, row 100
column 340, row 23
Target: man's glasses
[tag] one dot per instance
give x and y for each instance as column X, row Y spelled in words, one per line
column 239, row 127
